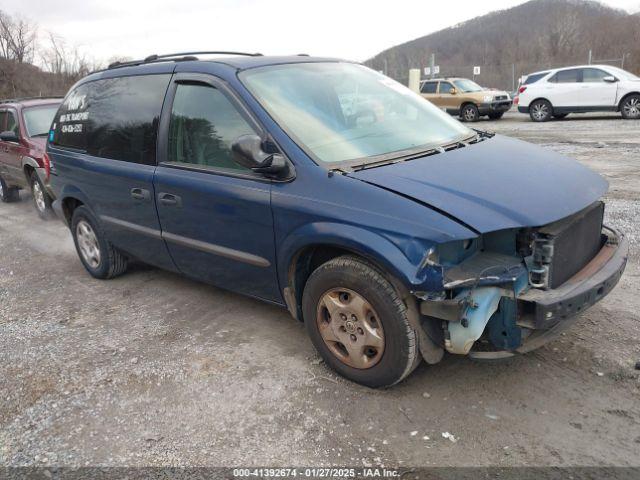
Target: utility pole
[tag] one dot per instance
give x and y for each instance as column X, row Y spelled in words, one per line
column 432, row 64
column 590, row 56
column 513, row 77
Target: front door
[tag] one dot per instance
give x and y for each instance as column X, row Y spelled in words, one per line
column 215, row 215
column 10, row 152
column 596, row 91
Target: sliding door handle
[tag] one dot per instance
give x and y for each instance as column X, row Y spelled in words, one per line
column 169, row 199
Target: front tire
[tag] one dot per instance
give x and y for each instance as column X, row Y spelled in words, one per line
column 469, row 113
column 99, row 257
column 540, row 111
column 8, row 194
column 41, row 199
column 630, row 107
column 358, row 323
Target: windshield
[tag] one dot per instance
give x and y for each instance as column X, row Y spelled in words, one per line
column 342, row 112
column 38, row 119
column 618, row 72
column 467, row 86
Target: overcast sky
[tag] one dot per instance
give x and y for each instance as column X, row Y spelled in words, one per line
column 353, row 29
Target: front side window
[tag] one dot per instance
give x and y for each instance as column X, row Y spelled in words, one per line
column 467, row 86
column 594, row 75
column 12, row 123
column 429, row 87
column 37, row 120
column 343, row 112
column 445, row 88
column 114, row 118
column 204, row 124
column 567, row 76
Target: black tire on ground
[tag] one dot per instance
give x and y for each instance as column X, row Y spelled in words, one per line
column 8, row 194
column 469, row 113
column 496, row 115
column 630, row 107
column 110, row 262
column 559, row 116
column 399, row 354
column 41, row 199
column 540, row 111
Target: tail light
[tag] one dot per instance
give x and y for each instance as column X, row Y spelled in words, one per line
column 47, row 166
column 522, row 89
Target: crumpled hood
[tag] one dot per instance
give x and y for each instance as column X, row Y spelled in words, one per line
column 496, row 184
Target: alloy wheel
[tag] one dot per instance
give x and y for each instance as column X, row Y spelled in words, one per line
column 350, row 328
column 540, row 111
column 632, row 107
column 469, row 114
column 88, row 244
column 38, row 196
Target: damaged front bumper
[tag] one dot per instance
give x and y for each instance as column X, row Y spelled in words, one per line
column 513, row 317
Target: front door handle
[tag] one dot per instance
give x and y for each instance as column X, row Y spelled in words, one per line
column 169, row 199
column 140, row 194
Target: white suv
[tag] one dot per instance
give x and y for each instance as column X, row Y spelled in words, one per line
column 589, row 88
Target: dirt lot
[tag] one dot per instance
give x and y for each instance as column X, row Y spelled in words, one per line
column 154, row 369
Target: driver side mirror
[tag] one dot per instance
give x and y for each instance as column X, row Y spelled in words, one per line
column 247, row 152
column 9, row 136
column 610, row 79
column 453, row 91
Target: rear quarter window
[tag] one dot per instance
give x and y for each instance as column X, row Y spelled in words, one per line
column 534, row 77
column 115, row 118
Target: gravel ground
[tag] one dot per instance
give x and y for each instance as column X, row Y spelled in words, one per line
column 152, row 369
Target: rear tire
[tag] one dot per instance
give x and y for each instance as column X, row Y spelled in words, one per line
column 496, row 116
column 41, row 199
column 540, row 111
column 469, row 113
column 8, row 194
column 101, row 259
column 630, row 107
column 368, row 337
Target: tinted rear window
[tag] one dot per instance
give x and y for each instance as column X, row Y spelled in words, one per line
column 115, row 118
column 534, row 77
column 429, row 87
column 567, row 76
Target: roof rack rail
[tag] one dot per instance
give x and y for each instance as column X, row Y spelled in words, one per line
column 182, row 56
column 24, row 99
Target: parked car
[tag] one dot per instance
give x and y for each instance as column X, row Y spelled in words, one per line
column 464, row 97
column 558, row 92
column 24, row 126
column 391, row 229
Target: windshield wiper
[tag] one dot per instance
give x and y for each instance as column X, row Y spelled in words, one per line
column 40, row 135
column 411, row 156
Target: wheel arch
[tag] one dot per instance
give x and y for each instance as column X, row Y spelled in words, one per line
column 541, row 98
column 70, row 199
column 627, row 95
column 29, row 165
column 307, row 249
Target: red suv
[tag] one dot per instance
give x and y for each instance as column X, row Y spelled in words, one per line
column 24, row 126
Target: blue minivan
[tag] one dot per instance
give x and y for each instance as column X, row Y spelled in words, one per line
column 393, row 231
